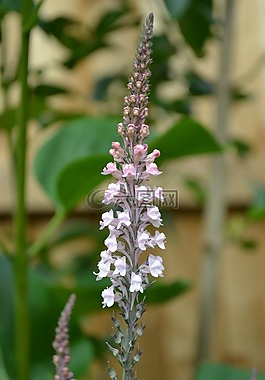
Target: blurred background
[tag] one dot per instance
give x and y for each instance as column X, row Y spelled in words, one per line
column 208, row 118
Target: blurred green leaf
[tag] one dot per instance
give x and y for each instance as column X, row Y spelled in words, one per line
column 80, row 144
column 242, row 147
column 79, row 178
column 257, row 210
column 8, row 118
column 164, row 292
column 7, row 314
column 3, row 373
column 249, row 244
column 177, row 8
column 199, row 85
column 185, row 138
column 43, row 90
column 109, row 21
column 63, row 29
column 215, row 371
column 197, row 189
column 73, row 229
column 102, row 85
column 181, row 106
column 9, row 5
column 195, row 25
column 82, row 354
column 238, row 94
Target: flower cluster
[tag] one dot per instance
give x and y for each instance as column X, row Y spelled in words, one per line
column 134, row 199
column 134, row 220
column 62, row 357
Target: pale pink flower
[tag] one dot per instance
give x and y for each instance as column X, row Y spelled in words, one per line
column 120, row 266
column 128, row 170
column 136, row 283
column 152, row 169
column 108, row 297
column 152, row 156
column 155, row 265
column 140, row 149
column 111, row 168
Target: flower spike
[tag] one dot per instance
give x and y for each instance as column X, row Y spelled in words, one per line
column 129, row 236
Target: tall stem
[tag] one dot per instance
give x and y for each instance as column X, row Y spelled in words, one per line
column 21, row 262
column 216, row 204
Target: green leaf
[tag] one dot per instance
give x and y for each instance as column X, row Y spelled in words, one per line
column 74, row 229
column 160, row 293
column 8, row 118
column 177, row 8
column 109, row 22
column 196, row 188
column 80, row 144
column 195, row 25
column 242, row 147
column 7, row 314
column 43, row 90
column 3, row 373
column 199, row 85
column 82, row 354
column 215, row 371
column 9, row 5
column 79, row 179
column 257, row 210
column 185, row 138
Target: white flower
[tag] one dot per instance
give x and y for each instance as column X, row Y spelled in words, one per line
column 154, row 216
column 107, row 218
column 120, row 266
column 106, row 256
column 144, row 194
column 155, row 265
column 159, row 193
column 143, row 239
column 111, row 242
column 158, row 239
column 104, row 269
column 111, row 193
column 136, row 283
column 124, row 218
column 108, row 297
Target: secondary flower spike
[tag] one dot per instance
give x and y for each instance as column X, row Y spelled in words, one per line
column 127, row 261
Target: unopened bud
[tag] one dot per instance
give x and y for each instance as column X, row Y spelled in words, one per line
column 130, row 130
column 136, row 111
column 144, row 131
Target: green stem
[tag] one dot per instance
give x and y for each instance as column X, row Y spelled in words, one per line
column 21, row 262
column 53, row 224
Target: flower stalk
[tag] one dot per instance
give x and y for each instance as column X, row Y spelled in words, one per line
column 126, row 261
column 61, row 358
